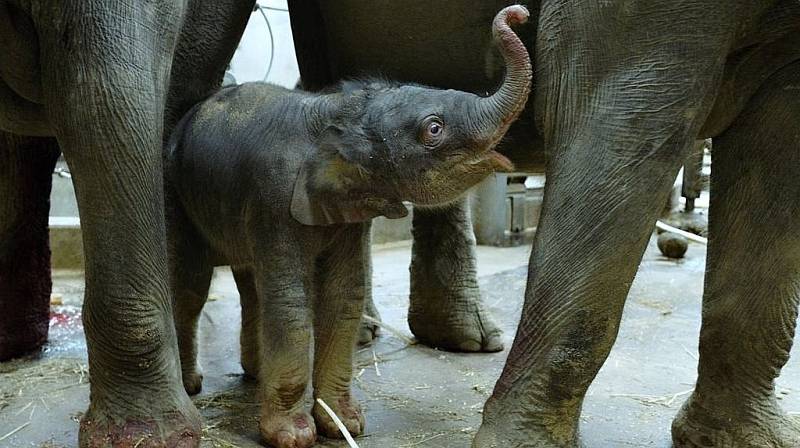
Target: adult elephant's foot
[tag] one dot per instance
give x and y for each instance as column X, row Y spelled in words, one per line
column 446, row 309
column 521, row 422
column 174, row 430
column 453, row 320
column 31, row 334
column 152, row 411
column 499, row 436
column 513, row 432
column 762, row 425
column 24, row 296
column 288, row 430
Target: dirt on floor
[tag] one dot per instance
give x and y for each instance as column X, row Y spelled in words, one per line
column 413, row 396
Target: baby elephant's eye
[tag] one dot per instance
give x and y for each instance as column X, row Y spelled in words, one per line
column 432, row 131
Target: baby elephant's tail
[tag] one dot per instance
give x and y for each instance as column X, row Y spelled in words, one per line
column 172, row 147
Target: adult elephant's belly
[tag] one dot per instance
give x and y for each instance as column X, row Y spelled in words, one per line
column 21, row 110
column 444, row 44
column 20, row 116
column 772, row 48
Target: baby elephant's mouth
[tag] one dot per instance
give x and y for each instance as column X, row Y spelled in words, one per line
column 497, row 161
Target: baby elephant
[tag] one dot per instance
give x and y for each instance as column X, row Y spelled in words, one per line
column 281, row 185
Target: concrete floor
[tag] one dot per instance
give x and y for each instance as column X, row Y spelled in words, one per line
column 414, row 396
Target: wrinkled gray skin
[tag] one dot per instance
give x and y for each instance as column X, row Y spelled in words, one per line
column 282, row 185
column 105, row 78
column 621, row 90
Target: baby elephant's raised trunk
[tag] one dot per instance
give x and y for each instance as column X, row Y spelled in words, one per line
column 498, row 111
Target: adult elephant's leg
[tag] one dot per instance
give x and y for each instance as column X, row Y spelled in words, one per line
column 446, row 307
column 26, row 169
column 105, row 68
column 751, row 291
column 210, row 33
column 618, row 117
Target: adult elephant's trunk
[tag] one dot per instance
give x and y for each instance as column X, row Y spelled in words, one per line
column 498, row 111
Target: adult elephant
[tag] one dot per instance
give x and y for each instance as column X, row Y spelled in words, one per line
column 102, row 81
column 621, row 90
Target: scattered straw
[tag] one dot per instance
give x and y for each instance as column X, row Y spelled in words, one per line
column 692, row 355
column 230, row 399
column 338, row 423
column 436, row 436
column 209, row 434
column 375, row 363
column 390, row 329
column 665, row 400
column 14, row 431
column 23, row 409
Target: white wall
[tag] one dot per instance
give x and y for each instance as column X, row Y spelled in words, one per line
column 252, row 57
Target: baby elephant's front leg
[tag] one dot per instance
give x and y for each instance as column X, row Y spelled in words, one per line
column 343, row 284
column 283, row 374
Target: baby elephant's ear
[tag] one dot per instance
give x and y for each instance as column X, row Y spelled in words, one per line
column 320, row 198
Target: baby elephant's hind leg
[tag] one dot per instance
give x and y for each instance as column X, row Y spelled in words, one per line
column 342, row 284
column 191, row 292
column 191, row 277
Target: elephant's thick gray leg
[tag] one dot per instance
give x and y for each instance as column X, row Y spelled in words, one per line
column 582, row 264
column 250, row 335
column 26, row 167
column 618, row 131
column 446, row 307
column 342, row 282
column 106, row 68
column 209, row 36
column 751, row 292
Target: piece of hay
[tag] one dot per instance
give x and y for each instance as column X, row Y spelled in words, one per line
column 338, row 423
column 389, row 328
column 664, row 400
column 375, row 363
column 56, row 299
column 688, row 235
column 408, row 445
column 14, row 431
